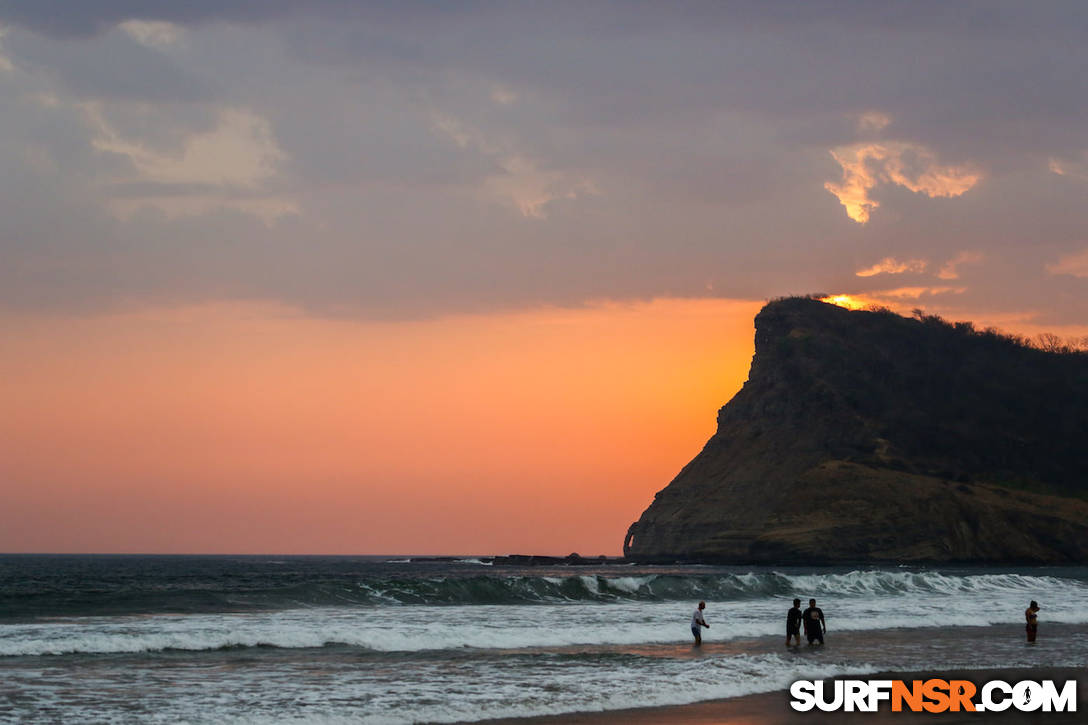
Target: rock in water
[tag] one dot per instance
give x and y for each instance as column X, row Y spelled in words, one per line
column 864, row 436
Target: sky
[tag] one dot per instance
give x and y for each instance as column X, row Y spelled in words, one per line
column 405, row 277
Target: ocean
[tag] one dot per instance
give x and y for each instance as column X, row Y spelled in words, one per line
column 278, row 639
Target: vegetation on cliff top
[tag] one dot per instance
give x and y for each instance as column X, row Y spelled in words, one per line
column 1045, row 341
column 940, row 397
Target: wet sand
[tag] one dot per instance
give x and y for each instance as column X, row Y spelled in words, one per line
column 772, row 708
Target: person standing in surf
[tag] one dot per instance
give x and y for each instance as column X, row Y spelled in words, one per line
column 697, row 624
column 1031, row 614
column 815, row 626
column 793, row 623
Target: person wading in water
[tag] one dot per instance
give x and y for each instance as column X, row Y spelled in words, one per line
column 793, row 623
column 1031, row 614
column 815, row 626
column 697, row 624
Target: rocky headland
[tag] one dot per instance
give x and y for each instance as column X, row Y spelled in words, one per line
column 865, row 436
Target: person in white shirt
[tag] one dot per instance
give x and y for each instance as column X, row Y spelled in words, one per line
column 697, row 624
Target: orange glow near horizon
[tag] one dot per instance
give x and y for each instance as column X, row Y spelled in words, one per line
column 253, row 429
column 850, row 302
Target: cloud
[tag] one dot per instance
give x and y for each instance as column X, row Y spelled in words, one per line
column 240, row 151
column 532, row 189
column 912, row 166
column 225, row 166
column 6, row 66
column 460, row 135
column 1075, row 265
column 890, row 265
column 408, row 214
column 1077, row 169
column 126, row 64
column 896, row 299
column 871, row 121
column 950, row 270
column 503, row 96
column 269, row 209
column 61, row 19
column 153, row 34
column 914, row 293
column 518, row 179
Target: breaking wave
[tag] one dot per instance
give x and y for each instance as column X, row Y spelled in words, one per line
column 490, row 589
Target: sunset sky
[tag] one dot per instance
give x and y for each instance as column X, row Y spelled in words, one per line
column 405, row 277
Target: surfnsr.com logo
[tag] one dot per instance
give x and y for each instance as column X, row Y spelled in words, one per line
column 934, row 696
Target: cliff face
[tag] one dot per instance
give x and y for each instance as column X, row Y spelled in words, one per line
column 866, row 436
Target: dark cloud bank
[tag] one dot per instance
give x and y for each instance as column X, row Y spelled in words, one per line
column 430, row 158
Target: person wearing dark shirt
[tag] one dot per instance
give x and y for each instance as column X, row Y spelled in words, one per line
column 815, row 626
column 793, row 623
column 1031, row 614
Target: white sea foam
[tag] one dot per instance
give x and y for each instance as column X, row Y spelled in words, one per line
column 630, row 584
column 906, row 600
column 395, row 662
column 671, row 682
column 892, row 582
column 419, row 692
column 669, row 586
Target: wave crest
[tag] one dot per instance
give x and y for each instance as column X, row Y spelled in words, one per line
column 491, row 588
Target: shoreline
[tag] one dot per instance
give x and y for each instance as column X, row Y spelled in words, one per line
column 772, row 708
